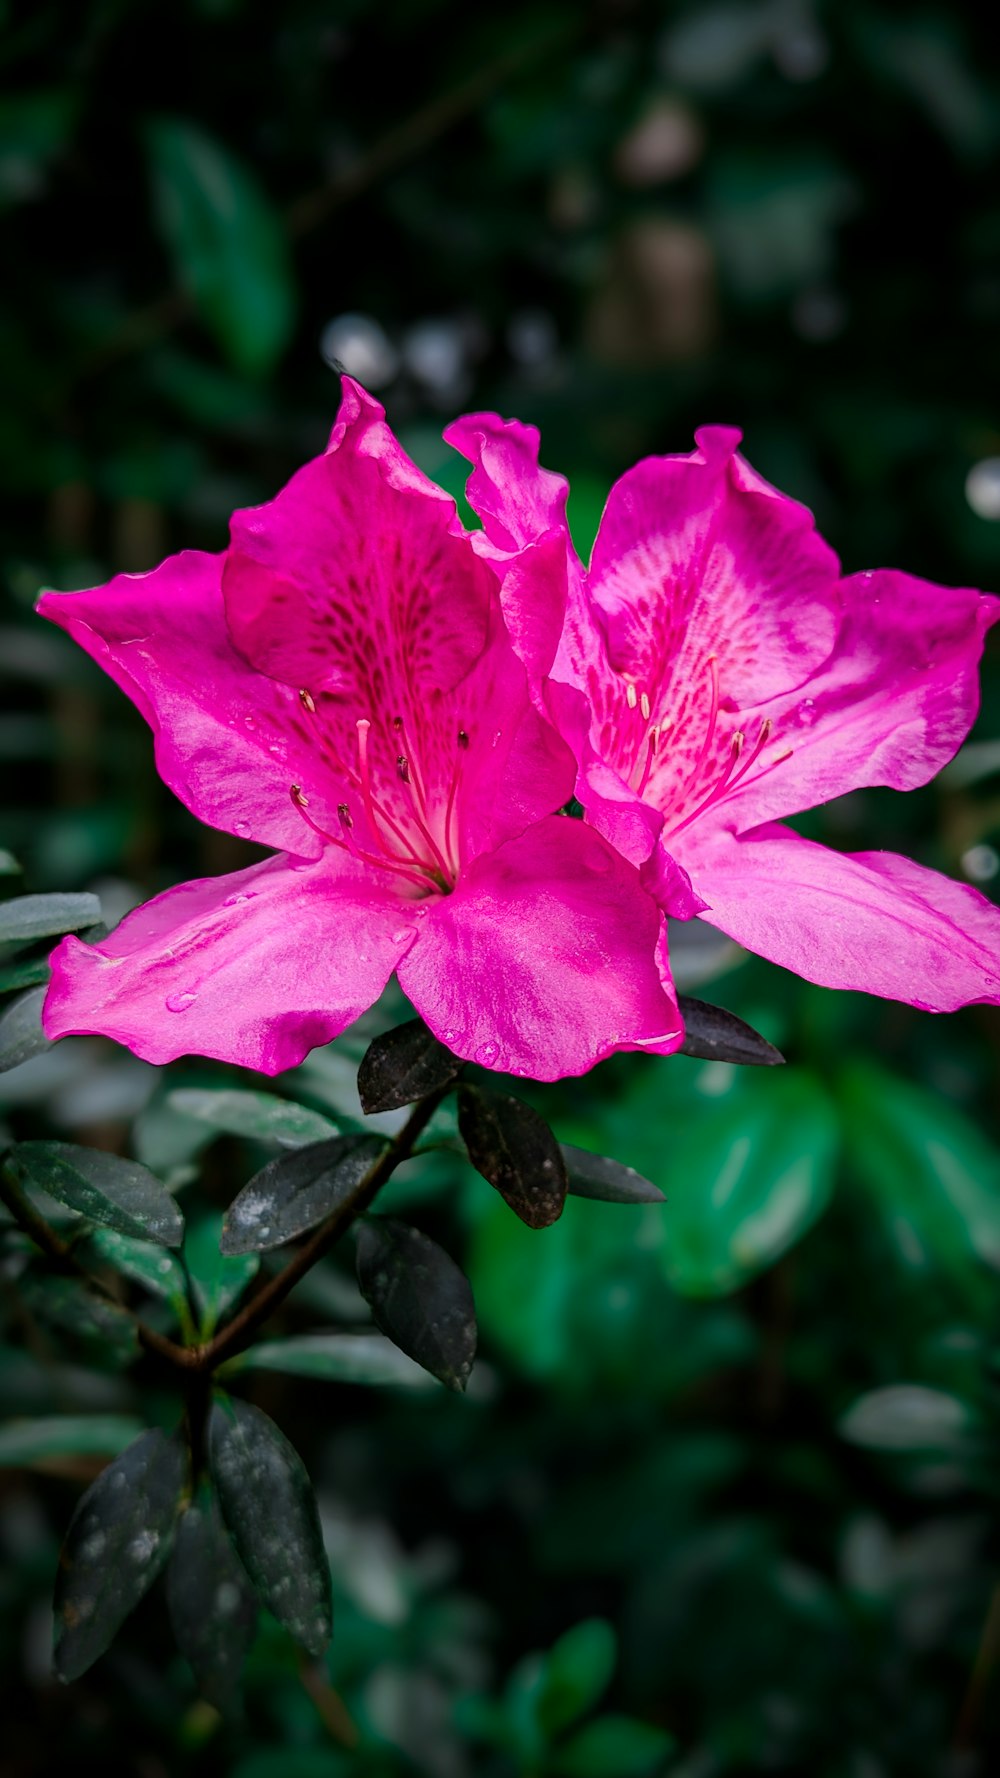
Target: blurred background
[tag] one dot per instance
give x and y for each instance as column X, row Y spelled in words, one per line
column 721, row 1499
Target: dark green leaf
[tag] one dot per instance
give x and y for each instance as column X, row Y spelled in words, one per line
column 613, row 1747
column 227, row 242
column 27, row 974
column 595, row 1176
column 213, row 1608
column 296, row 1191
column 117, row 1543
column 403, row 1065
column 28, row 917
column 419, row 1298
column 143, row 1261
column 719, row 1036
column 260, row 1116
column 270, row 1508
column 97, row 1327
column 337, row 1358
column 21, row 1034
column 27, row 1442
column 512, row 1147
column 118, row 1194
column 576, row 1673
column 219, row 1279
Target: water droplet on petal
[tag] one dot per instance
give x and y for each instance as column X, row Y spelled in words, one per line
column 805, row 715
column 234, row 901
column 179, row 1002
column 250, row 721
column 487, row 1053
column 242, row 828
column 404, row 932
column 448, row 1036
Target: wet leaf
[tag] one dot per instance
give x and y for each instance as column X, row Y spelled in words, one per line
column 21, row 1034
column 262, row 1117
column 296, row 1191
column 419, row 1298
column 118, row 1194
column 596, row 1176
column 28, row 917
column 715, row 1035
column 513, row 1147
column 98, row 1328
column 142, row 1261
column 116, row 1545
column 403, row 1065
column 213, row 1608
column 24, row 1443
column 336, row 1358
column 270, row 1508
column 219, row 1279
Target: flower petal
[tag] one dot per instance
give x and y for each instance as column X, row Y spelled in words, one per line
column 545, row 959
column 891, row 706
column 228, row 741
column 868, row 921
column 254, row 968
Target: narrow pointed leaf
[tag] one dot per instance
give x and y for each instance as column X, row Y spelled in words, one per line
column 512, row 1147
column 28, row 917
column 24, row 1443
column 213, row 1608
column 116, row 1545
column 118, row 1194
column 260, row 1116
column 597, row 1176
column 404, row 1065
column 296, row 1191
column 269, row 1506
column 418, row 1297
column 219, row 1279
column 337, row 1358
column 21, row 1034
column 715, row 1035
column 26, row 974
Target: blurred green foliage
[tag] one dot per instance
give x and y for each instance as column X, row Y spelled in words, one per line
column 721, row 1498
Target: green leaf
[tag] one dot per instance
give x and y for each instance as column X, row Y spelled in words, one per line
column 296, row 1191
column 28, row 974
column 613, row 1747
column 105, row 1189
column 419, row 1298
column 33, row 128
column 716, row 1035
column 118, row 1541
column 747, row 1179
column 262, row 1117
column 219, row 1279
column 213, row 1608
column 270, row 1508
column 227, row 242
column 513, row 1147
column 98, row 1328
column 9, row 866
column 909, row 1417
column 934, row 1177
column 596, row 1176
column 28, row 917
column 402, row 1065
column 576, row 1674
column 21, row 1034
column 336, row 1358
column 24, row 1443
column 143, row 1261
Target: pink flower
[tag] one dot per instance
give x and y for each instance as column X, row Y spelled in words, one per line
column 339, row 684
column 731, row 677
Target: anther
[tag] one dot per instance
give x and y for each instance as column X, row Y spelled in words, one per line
column 307, row 701
column 463, row 739
column 345, row 816
column 631, row 696
column 299, row 797
column 397, row 725
column 644, row 707
column 403, row 767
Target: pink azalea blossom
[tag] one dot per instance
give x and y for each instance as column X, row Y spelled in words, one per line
column 339, row 684
column 714, row 673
